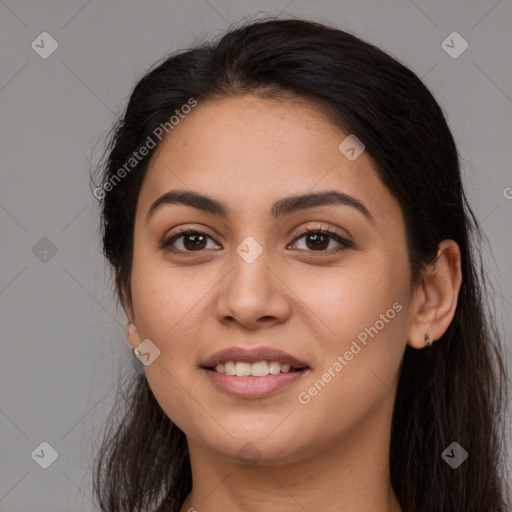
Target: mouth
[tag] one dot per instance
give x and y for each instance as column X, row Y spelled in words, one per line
column 258, row 362
column 253, row 373
column 258, row 369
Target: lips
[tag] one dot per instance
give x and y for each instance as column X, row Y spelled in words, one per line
column 228, row 371
column 237, row 354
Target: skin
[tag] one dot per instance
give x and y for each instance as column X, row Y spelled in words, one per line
column 331, row 453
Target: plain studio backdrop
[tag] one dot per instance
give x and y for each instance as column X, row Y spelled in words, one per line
column 67, row 68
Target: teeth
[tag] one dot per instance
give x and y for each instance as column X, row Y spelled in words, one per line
column 274, row 368
column 259, row 369
column 229, row 368
column 242, row 369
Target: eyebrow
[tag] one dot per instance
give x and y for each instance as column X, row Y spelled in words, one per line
column 279, row 209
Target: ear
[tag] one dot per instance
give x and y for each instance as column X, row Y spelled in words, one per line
column 132, row 335
column 436, row 297
column 131, row 332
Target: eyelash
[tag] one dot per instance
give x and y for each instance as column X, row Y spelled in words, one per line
column 344, row 243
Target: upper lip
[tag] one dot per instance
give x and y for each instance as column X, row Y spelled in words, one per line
column 237, row 354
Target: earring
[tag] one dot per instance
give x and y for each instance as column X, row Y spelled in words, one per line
column 428, row 340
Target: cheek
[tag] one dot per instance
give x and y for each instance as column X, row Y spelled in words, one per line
column 365, row 309
column 167, row 298
column 345, row 300
column 167, row 305
column 358, row 368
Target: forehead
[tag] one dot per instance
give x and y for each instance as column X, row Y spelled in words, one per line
column 247, row 151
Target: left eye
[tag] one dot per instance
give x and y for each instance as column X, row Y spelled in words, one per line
column 317, row 240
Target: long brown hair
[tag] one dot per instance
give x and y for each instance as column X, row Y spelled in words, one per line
column 453, row 392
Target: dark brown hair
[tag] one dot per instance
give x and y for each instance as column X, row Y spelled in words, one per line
column 454, row 391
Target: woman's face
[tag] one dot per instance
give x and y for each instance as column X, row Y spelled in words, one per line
column 253, row 280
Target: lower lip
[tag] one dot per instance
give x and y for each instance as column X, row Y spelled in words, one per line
column 253, row 387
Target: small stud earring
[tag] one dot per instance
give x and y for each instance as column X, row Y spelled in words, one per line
column 428, row 340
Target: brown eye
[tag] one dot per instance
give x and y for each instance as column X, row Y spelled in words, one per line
column 318, row 240
column 190, row 240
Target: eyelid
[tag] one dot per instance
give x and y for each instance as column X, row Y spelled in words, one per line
column 319, row 226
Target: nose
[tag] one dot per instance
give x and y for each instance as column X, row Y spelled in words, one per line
column 253, row 295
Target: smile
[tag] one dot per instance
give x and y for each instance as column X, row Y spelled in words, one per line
column 254, row 373
column 258, row 369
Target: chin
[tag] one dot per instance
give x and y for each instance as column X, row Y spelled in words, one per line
column 263, row 444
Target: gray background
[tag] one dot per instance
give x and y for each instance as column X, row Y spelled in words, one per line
column 62, row 334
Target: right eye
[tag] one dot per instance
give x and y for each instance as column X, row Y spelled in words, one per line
column 191, row 240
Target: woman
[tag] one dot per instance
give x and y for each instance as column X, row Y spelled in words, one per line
column 291, row 242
